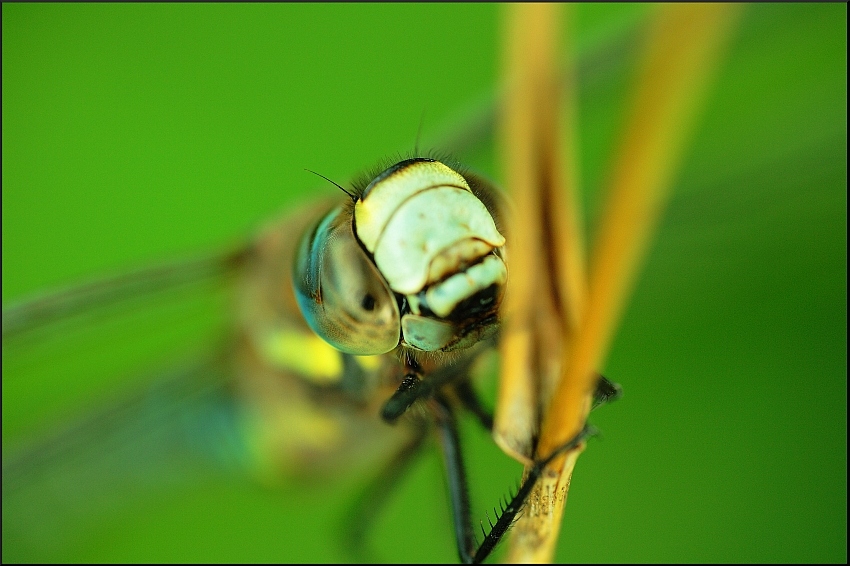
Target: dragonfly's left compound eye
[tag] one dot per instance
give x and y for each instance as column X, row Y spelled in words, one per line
column 340, row 292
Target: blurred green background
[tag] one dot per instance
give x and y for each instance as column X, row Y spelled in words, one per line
column 136, row 133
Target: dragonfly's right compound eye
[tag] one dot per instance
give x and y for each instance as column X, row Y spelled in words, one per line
column 343, row 297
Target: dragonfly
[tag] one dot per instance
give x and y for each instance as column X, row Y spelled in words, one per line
column 373, row 317
column 307, row 362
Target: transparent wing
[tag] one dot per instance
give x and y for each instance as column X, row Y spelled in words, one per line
column 112, row 327
column 164, row 436
column 45, row 309
column 114, row 390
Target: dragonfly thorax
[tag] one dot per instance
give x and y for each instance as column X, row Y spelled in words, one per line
column 416, row 263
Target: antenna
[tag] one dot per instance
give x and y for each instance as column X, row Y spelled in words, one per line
column 337, row 185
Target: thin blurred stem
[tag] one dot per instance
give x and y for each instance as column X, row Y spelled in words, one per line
column 547, row 290
column 557, row 329
column 531, row 32
column 682, row 51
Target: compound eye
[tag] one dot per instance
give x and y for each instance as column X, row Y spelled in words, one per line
column 342, row 296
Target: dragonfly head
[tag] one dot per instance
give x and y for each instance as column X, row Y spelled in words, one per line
column 417, row 262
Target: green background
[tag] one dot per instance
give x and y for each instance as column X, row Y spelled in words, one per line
column 136, row 133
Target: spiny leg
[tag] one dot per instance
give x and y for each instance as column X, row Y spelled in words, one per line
column 606, row 392
column 455, row 475
column 467, row 395
column 509, row 513
column 458, row 487
column 414, row 387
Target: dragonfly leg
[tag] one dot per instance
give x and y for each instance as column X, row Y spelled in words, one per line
column 360, row 519
column 455, row 475
column 606, row 392
column 415, row 387
column 470, row 399
column 446, row 427
column 468, row 549
column 509, row 514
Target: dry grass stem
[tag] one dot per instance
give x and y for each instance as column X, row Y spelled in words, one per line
column 548, row 281
column 558, row 330
column 681, row 54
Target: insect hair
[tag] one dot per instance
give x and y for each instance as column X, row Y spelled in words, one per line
column 351, row 195
column 361, row 181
